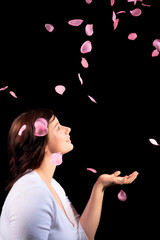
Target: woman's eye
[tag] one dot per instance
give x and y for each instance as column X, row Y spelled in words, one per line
column 58, row 128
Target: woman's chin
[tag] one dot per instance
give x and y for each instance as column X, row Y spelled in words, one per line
column 70, row 148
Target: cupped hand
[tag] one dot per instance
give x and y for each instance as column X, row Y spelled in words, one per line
column 107, row 180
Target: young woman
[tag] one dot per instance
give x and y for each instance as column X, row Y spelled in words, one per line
column 36, row 206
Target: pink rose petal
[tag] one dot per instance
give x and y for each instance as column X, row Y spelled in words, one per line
column 92, row 99
column 135, row 1
column 84, row 63
column 122, row 196
column 155, row 53
column 92, row 170
column 80, row 79
column 136, row 12
column 120, row 12
column 3, row 88
column 86, row 47
column 89, row 29
column 49, row 27
column 113, row 16
column 132, row 36
column 21, row 130
column 41, row 128
column 115, row 24
column 112, row 2
column 75, row 22
column 153, row 141
column 13, row 94
column 60, row 89
column 56, row 159
column 88, row 1
column 146, row 5
column 156, row 44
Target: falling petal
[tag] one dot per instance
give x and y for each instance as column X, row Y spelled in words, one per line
column 89, row 29
column 86, row 47
column 136, row 12
column 4, row 88
column 41, row 128
column 80, row 79
column 135, row 1
column 153, row 141
column 155, row 53
column 92, row 170
column 13, row 94
column 60, row 89
column 156, row 44
column 88, row 1
column 132, row 36
column 115, row 24
column 113, row 16
column 56, row 159
column 49, row 27
column 84, row 63
column 92, row 99
column 122, row 196
column 120, row 12
column 112, row 2
column 146, row 5
column 21, row 130
column 75, row 22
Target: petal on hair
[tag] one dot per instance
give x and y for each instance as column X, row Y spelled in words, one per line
column 41, row 128
column 75, row 22
column 22, row 129
column 80, row 79
column 122, row 196
column 84, row 63
column 3, row 88
column 153, row 141
column 49, row 27
column 92, row 170
column 13, row 94
column 60, row 89
column 92, row 99
column 86, row 47
column 56, row 158
column 136, row 12
column 132, row 36
column 89, row 29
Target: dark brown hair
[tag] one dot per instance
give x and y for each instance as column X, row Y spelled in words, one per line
column 25, row 152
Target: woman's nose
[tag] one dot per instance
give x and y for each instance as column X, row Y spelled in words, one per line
column 68, row 129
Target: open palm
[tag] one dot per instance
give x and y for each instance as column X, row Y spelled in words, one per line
column 112, row 179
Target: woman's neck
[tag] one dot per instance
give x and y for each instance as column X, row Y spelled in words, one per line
column 46, row 171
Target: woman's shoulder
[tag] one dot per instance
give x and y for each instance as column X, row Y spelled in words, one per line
column 27, row 191
column 28, row 185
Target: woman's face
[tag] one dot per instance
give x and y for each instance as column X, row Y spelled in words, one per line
column 58, row 138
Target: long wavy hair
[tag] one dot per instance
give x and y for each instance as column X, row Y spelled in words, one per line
column 26, row 152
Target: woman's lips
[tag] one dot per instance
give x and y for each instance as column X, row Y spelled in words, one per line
column 68, row 140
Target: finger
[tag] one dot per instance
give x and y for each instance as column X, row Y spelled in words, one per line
column 117, row 173
column 132, row 177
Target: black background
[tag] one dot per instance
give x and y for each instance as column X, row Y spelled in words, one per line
column 122, row 77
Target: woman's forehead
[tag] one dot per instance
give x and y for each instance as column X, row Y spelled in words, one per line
column 53, row 121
